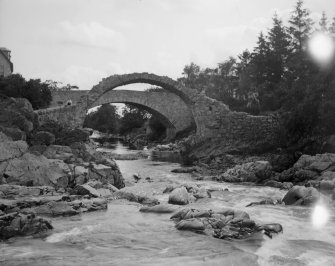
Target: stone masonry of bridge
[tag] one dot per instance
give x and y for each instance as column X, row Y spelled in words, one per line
column 213, row 119
column 168, row 107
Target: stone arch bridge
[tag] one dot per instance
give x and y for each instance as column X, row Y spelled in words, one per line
column 178, row 106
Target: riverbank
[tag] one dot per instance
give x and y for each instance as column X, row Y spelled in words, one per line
column 61, row 197
column 110, row 235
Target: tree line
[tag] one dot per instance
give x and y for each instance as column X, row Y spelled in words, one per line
column 37, row 92
column 279, row 76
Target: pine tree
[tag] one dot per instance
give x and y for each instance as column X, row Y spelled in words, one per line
column 279, row 41
column 332, row 26
column 324, row 22
column 300, row 26
column 260, row 57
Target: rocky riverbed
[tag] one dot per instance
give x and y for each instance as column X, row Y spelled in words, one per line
column 53, row 174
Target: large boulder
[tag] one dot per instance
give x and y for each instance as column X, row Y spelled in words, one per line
column 86, row 189
column 11, row 149
column 18, row 224
column 248, row 172
column 106, row 175
column 33, row 170
column 134, row 198
column 54, row 209
column 299, row 195
column 318, row 163
column 14, row 191
column 58, row 152
column 225, row 224
column 179, row 196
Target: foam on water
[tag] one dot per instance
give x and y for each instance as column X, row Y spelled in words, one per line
column 58, row 237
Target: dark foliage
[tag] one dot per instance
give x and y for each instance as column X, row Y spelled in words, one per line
column 37, row 92
column 105, row 119
column 278, row 75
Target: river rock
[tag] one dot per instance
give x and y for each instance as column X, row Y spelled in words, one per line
column 54, row 209
column 18, row 224
column 226, row 224
column 179, row 196
column 170, row 188
column 299, row 195
column 202, row 193
column 160, row 208
column 266, row 202
column 89, row 205
column 185, row 170
column 191, row 224
column 186, row 213
column 134, row 198
column 86, row 189
column 13, row 191
column 106, row 175
column 248, row 172
column 58, row 152
column 276, row 184
column 11, row 149
column 31, row 169
column 318, row 163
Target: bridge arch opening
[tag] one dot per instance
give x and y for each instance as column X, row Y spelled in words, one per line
column 153, row 123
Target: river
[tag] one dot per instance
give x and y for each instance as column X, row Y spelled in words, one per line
column 124, row 236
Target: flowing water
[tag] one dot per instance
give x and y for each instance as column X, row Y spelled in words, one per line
column 124, row 236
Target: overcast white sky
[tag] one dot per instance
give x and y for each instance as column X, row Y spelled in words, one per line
column 82, row 41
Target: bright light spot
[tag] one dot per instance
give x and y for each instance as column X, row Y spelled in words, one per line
column 320, row 216
column 321, row 47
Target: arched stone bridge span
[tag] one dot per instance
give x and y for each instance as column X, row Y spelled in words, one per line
column 169, row 108
column 212, row 118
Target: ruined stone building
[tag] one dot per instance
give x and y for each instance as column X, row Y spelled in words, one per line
column 6, row 66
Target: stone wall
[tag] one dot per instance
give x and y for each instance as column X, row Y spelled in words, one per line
column 59, row 98
column 64, row 115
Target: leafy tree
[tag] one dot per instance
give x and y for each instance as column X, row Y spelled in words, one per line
column 191, row 73
column 37, row 92
column 158, row 129
column 104, row 119
column 132, row 117
column 57, row 86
